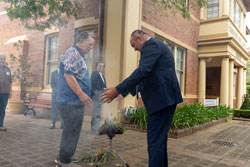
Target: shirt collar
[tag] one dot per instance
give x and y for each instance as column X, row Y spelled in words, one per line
column 79, row 50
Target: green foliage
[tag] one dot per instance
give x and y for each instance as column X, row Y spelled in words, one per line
column 102, row 156
column 40, row 14
column 248, row 72
column 20, row 66
column 242, row 113
column 246, row 104
column 187, row 115
column 248, row 89
column 140, row 117
column 178, row 6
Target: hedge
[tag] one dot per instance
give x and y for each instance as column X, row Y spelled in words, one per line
column 242, row 113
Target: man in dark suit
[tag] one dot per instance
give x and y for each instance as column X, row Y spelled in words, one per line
column 159, row 88
column 54, row 112
column 98, row 83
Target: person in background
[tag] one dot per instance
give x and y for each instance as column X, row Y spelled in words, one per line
column 54, row 111
column 159, row 88
column 98, row 83
column 73, row 94
column 5, row 89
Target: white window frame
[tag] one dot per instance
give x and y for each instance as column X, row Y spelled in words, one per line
column 213, row 8
column 174, row 48
column 237, row 14
column 177, row 61
column 48, row 62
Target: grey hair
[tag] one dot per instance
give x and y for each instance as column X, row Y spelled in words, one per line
column 84, row 36
column 137, row 32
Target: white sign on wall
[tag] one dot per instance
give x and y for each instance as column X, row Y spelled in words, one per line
column 211, row 102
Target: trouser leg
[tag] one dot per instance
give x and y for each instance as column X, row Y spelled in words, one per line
column 158, row 126
column 72, row 116
column 53, row 112
column 3, row 103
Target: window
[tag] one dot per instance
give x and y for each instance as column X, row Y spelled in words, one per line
column 229, row 7
column 179, row 56
column 212, row 9
column 237, row 13
column 89, row 56
column 51, row 56
column 170, row 46
column 179, row 64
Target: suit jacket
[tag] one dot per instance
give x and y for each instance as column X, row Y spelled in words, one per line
column 155, row 77
column 97, row 84
column 53, row 83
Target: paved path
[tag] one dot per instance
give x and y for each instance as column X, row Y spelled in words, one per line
column 29, row 143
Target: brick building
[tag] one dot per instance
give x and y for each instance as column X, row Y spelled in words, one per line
column 209, row 49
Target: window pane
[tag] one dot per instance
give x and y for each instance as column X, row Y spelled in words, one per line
column 179, row 77
column 179, row 59
column 237, row 13
column 212, row 8
column 51, row 67
column 52, row 56
column 53, row 48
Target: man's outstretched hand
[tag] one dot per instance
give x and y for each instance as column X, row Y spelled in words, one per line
column 109, row 95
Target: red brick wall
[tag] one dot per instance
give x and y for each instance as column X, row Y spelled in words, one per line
column 196, row 11
column 175, row 25
column 191, row 73
column 36, row 40
column 186, row 31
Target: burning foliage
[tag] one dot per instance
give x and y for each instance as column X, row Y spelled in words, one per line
column 102, row 156
column 111, row 128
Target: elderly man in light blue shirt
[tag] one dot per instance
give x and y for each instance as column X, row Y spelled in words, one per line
column 73, row 93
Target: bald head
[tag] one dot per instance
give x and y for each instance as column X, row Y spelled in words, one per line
column 137, row 39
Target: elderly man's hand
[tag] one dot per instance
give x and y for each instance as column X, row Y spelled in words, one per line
column 109, row 95
column 85, row 99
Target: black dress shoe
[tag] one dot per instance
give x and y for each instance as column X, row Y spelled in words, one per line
column 52, row 126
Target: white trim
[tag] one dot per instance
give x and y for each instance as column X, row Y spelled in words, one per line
column 16, row 39
column 86, row 22
column 3, row 13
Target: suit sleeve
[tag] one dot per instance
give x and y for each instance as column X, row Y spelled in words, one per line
column 149, row 56
column 133, row 92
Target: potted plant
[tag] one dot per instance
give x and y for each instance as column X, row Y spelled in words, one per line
column 20, row 69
